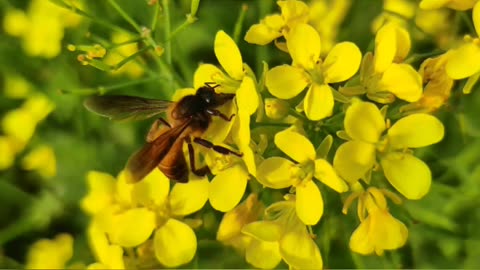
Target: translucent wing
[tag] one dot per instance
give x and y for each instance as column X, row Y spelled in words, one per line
column 125, row 107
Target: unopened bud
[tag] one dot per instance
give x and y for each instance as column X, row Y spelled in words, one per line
column 276, row 108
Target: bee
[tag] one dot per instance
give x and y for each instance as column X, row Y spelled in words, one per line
column 186, row 121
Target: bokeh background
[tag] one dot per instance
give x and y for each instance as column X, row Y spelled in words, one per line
column 42, row 178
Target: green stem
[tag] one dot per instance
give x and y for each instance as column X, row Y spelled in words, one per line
column 20, row 226
column 153, row 25
column 467, row 19
column 125, row 16
column 262, row 52
column 420, row 56
column 13, row 194
column 239, row 24
column 167, row 33
column 130, row 57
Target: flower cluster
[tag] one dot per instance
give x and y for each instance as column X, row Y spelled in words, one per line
column 334, row 120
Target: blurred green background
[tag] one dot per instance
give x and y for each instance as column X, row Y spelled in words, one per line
column 444, row 226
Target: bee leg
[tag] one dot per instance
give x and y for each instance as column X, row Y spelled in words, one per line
column 191, row 154
column 216, row 148
column 155, row 129
column 221, row 115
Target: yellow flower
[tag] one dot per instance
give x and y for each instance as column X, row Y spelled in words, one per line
column 453, row 4
column 133, row 68
column 41, row 27
column 107, row 256
column 364, row 125
column 230, row 229
column 308, row 69
column 129, row 214
column 326, row 17
column 50, row 254
column 276, row 25
column 16, row 86
column 378, row 230
column 281, row 236
column 382, row 75
column 463, row 61
column 7, row 148
column 278, row 173
column 437, row 89
column 41, row 159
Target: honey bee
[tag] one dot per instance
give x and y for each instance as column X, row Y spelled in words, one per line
column 186, row 121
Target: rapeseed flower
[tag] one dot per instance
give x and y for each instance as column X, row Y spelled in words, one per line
column 378, row 230
column 383, row 76
column 273, row 26
column 453, row 4
column 129, row 214
column 278, row 173
column 308, row 70
column 365, row 125
column 50, row 254
column 282, row 235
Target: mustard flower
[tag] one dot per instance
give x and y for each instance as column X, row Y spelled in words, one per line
column 50, row 254
column 365, row 125
column 230, row 229
column 41, row 27
column 453, row 4
column 281, row 236
column 382, row 75
column 326, row 17
column 463, row 61
column 308, row 70
column 133, row 69
column 41, row 159
column 277, row 172
column 438, row 86
column 276, row 25
column 378, row 230
column 129, row 214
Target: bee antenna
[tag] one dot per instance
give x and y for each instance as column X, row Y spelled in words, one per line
column 212, row 85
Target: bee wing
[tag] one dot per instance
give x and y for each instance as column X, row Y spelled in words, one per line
column 125, row 107
column 151, row 154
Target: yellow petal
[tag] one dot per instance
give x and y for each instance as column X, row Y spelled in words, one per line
column 415, row 130
column 175, row 243
column 403, row 44
column 50, row 254
column 41, row 159
column 303, row 44
column 132, row 227
column 476, row 17
column 227, row 188
column 408, row 174
column 247, row 96
column 206, row 73
column 188, row 198
column 295, row 145
column 318, row 103
column 276, row 172
column 264, row 255
column 353, row 160
column 108, row 255
column 153, row 189
column 7, row 149
column 432, row 4
column 309, row 203
column 262, row 33
column 299, row 251
column 39, row 106
column 19, row 124
column 364, row 121
column 385, row 47
column 294, row 10
column 101, row 188
column 342, row 62
column 228, row 55
column 124, row 188
column 403, row 81
column 327, row 175
column 285, row 81
column 15, row 22
column 378, row 232
column 464, row 61
column 263, row 230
